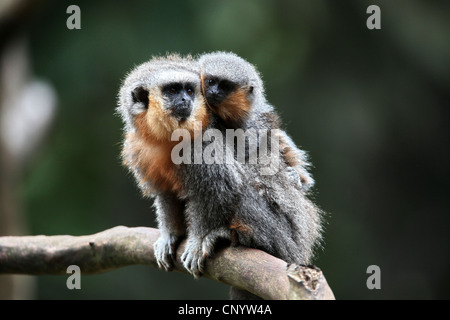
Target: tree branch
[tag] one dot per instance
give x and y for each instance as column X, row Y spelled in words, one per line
column 245, row 268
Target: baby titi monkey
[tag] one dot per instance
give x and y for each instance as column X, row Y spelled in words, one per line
column 287, row 224
column 235, row 92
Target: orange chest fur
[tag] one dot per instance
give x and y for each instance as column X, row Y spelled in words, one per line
column 152, row 159
column 148, row 150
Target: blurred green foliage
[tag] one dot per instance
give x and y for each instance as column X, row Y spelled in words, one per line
column 371, row 107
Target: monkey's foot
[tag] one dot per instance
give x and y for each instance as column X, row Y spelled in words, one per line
column 165, row 250
column 199, row 249
column 195, row 255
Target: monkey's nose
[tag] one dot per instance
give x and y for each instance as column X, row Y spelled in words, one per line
column 213, row 91
column 214, row 99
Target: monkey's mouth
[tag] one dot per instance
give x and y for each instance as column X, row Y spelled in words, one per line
column 181, row 112
column 209, row 105
column 213, row 100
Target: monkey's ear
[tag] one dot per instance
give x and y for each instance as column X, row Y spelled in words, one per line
column 140, row 95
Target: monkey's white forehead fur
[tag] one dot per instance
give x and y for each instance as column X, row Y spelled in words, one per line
column 149, row 75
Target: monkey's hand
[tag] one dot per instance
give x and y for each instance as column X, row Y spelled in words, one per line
column 165, row 249
column 299, row 178
column 198, row 249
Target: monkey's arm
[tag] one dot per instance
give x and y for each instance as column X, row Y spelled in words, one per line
column 212, row 194
column 171, row 222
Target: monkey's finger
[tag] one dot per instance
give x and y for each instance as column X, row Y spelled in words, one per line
column 173, row 252
column 200, row 266
column 168, row 264
column 183, row 257
column 189, row 264
column 165, row 263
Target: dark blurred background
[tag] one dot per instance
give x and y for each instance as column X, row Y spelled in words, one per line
column 370, row 106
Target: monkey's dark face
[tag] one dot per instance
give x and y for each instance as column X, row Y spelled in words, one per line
column 217, row 90
column 231, row 101
column 180, row 99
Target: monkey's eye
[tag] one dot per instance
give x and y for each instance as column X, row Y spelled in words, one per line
column 172, row 89
column 190, row 91
column 226, row 86
column 211, row 82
